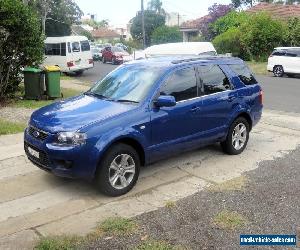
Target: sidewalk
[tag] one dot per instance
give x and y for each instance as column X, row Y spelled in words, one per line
column 34, row 203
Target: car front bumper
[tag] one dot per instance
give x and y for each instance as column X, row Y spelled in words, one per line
column 68, row 161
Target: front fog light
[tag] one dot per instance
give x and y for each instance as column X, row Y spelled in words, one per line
column 71, row 138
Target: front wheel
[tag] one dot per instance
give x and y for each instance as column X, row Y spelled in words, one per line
column 118, row 170
column 237, row 137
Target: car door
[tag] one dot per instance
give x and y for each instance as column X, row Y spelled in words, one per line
column 218, row 100
column 173, row 128
column 293, row 62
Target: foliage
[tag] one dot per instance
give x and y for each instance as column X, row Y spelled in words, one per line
column 230, row 42
column 155, row 245
column 250, row 3
column 7, row 127
column 59, row 243
column 215, row 11
column 293, row 37
column 232, row 20
column 56, row 16
column 21, row 43
column 165, row 34
column 156, row 5
column 152, row 21
column 96, row 24
column 261, row 34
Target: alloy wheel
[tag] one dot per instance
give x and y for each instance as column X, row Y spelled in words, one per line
column 239, row 136
column 122, row 171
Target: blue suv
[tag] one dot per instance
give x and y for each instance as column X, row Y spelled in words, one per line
column 142, row 112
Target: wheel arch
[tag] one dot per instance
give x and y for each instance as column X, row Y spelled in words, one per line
column 247, row 117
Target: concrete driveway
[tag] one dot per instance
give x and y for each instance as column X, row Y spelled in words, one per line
column 34, row 203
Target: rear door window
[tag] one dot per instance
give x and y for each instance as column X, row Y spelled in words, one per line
column 213, row 79
column 243, row 72
column 278, row 53
column 85, row 46
column 75, row 47
column 182, row 84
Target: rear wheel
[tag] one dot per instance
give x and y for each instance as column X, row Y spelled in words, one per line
column 278, row 71
column 118, row 170
column 114, row 62
column 237, row 137
column 103, row 59
column 78, row 73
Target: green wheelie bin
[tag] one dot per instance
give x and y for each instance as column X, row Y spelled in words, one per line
column 52, row 76
column 33, row 83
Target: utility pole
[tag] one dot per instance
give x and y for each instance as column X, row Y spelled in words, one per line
column 178, row 17
column 143, row 24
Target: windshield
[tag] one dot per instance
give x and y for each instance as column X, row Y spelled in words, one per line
column 117, row 49
column 127, row 83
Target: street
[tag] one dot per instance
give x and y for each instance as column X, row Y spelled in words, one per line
column 279, row 93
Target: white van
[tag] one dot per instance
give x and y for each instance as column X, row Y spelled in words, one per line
column 181, row 49
column 284, row 60
column 70, row 53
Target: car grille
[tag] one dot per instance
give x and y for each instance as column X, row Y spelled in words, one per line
column 38, row 134
column 43, row 160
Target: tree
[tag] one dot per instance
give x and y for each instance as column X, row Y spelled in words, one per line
column 165, row 34
column 156, row 5
column 215, row 11
column 293, row 36
column 21, row 43
column 233, row 19
column 261, row 34
column 96, row 24
column 56, row 16
column 152, row 21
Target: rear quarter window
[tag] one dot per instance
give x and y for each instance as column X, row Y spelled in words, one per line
column 243, row 72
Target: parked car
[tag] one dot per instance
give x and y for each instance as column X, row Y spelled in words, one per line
column 142, row 112
column 122, row 46
column 115, row 55
column 284, row 60
column 71, row 53
column 181, row 49
column 97, row 54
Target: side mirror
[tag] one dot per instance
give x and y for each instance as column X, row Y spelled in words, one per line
column 165, row 101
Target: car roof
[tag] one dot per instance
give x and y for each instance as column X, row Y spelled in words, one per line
column 176, row 61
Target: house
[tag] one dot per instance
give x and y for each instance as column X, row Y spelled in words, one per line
column 104, row 35
column 280, row 11
column 191, row 28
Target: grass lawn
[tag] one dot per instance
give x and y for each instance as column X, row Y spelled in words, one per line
column 33, row 104
column 7, row 127
column 259, row 68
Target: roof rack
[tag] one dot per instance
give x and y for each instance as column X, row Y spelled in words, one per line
column 191, row 59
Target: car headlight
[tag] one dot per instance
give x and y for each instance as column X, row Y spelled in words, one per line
column 71, row 138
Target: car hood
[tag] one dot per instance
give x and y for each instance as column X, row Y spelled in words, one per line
column 75, row 113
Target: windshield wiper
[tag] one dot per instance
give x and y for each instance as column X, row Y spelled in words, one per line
column 124, row 100
column 96, row 95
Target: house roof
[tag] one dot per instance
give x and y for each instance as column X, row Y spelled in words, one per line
column 277, row 10
column 104, row 33
column 194, row 24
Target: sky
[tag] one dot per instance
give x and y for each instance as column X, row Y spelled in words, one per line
column 119, row 12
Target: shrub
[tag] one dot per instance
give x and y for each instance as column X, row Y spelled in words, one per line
column 229, row 42
column 261, row 34
column 293, row 37
column 165, row 34
column 21, row 43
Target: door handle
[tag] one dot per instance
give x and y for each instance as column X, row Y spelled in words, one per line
column 195, row 109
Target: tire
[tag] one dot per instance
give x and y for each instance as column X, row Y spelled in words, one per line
column 113, row 61
column 103, row 60
column 230, row 146
column 278, row 71
column 78, row 73
column 111, row 182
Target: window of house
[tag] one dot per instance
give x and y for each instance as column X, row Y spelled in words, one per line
column 181, row 84
column 244, row 73
column 85, row 46
column 213, row 79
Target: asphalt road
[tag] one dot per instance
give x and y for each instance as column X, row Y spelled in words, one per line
column 281, row 94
